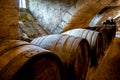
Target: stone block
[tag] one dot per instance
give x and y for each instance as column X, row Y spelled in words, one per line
column 67, row 17
column 73, row 10
column 62, row 25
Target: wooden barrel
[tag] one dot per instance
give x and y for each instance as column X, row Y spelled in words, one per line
column 109, row 32
column 20, row 60
column 113, row 26
column 73, row 51
column 111, row 29
column 104, row 35
column 94, row 39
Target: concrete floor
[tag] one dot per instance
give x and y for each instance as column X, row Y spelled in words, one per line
column 109, row 66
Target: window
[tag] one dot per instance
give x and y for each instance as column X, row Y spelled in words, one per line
column 22, row 4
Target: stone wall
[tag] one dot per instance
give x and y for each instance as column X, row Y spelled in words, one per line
column 57, row 16
column 8, row 19
column 50, row 13
column 108, row 13
column 85, row 13
column 29, row 27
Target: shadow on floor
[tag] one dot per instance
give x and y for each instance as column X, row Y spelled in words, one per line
column 109, row 69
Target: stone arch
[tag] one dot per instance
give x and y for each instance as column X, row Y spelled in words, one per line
column 85, row 13
column 61, row 15
column 109, row 12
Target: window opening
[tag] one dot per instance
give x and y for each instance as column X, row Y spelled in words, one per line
column 22, row 4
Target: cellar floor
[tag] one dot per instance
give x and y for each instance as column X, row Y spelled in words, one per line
column 109, row 67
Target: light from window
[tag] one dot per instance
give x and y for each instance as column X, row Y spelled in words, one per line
column 116, row 16
column 22, row 4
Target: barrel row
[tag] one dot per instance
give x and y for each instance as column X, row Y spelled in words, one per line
column 21, row 60
column 99, row 38
column 67, row 57
column 69, row 46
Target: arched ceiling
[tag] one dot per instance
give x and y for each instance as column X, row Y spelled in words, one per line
column 115, row 3
column 109, row 12
column 113, row 7
column 69, row 14
column 86, row 13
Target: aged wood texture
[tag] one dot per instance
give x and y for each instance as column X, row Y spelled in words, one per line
column 73, row 51
column 108, row 33
column 104, row 35
column 94, row 39
column 20, row 60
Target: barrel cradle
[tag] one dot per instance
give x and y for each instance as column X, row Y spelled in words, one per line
column 73, row 51
column 20, row 60
column 94, row 39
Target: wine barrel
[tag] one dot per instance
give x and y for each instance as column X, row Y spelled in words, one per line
column 73, row 51
column 109, row 32
column 94, row 39
column 20, row 60
column 110, row 27
column 104, row 35
column 112, row 30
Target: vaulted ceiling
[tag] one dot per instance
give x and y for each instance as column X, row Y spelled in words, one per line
column 113, row 7
column 69, row 14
